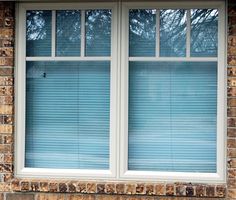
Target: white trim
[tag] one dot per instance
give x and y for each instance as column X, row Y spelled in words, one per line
column 220, row 175
column 54, row 32
column 20, row 170
column 119, row 93
column 158, row 33
column 61, row 58
column 188, row 34
column 174, row 59
column 82, row 37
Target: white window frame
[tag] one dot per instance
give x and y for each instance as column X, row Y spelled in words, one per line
column 21, row 170
column 119, row 92
column 219, row 176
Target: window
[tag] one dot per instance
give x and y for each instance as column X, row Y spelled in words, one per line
column 131, row 95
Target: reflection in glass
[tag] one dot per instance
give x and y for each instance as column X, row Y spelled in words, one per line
column 68, row 29
column 204, row 29
column 172, row 116
column 38, row 33
column 173, row 33
column 142, row 32
column 98, row 32
column 67, row 115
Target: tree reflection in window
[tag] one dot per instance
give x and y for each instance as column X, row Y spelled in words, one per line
column 68, row 24
column 173, row 33
column 38, row 33
column 98, row 32
column 142, row 32
column 204, row 32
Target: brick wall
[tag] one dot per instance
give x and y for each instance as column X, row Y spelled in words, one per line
column 14, row 189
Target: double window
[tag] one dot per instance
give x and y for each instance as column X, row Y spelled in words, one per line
column 130, row 92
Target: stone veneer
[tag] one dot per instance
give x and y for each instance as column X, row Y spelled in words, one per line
column 14, row 189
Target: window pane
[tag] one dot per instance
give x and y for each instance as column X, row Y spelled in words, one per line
column 38, row 33
column 98, row 33
column 204, row 32
column 68, row 33
column 142, row 32
column 173, row 33
column 172, row 116
column 67, row 115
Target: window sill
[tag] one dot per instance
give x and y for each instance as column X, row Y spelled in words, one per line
column 127, row 188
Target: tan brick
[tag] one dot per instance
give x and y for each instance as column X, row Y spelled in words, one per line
column 6, row 43
column 6, row 33
column 231, row 122
column 43, row 186
column 231, row 143
column 102, row 197
column 120, row 188
column 15, row 185
column 232, row 41
column 6, row 90
column 6, row 109
column 50, row 197
column 231, row 153
column 160, row 189
column 130, row 188
column 150, row 189
column 232, row 102
column 5, row 148
column 7, row 177
column 8, row 158
column 110, row 188
column 6, row 61
column 90, row 197
column 9, row 22
column 140, row 188
column 231, row 173
column 6, row 71
column 232, row 51
column 231, row 193
column 6, row 129
column 6, row 52
column 231, row 183
column 232, row 61
column 232, row 163
column 231, row 132
column 19, row 196
column 6, row 80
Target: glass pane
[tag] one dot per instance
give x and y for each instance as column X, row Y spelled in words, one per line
column 142, row 32
column 98, row 32
column 68, row 33
column 204, row 32
column 172, row 116
column 67, row 115
column 38, row 33
column 173, row 33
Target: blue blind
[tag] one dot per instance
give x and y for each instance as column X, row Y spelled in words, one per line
column 142, row 32
column 98, row 32
column 204, row 32
column 67, row 115
column 68, row 33
column 172, row 33
column 38, row 33
column 172, row 116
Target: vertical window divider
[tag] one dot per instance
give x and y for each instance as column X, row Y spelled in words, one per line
column 53, row 53
column 82, row 33
column 157, row 33
column 188, row 34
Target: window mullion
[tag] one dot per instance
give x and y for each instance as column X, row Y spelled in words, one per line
column 82, row 33
column 53, row 53
column 188, row 35
column 157, row 33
